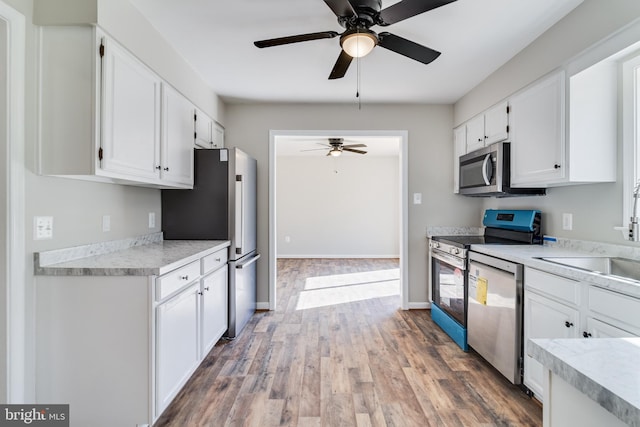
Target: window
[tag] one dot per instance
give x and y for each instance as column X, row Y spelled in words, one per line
column 631, row 132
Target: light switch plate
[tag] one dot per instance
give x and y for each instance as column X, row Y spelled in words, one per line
column 152, row 219
column 417, row 198
column 567, row 221
column 42, row 227
column 106, row 223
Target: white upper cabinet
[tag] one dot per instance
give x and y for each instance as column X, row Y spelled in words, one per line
column 496, row 123
column 176, row 160
column 537, row 132
column 130, row 116
column 208, row 133
column 459, row 145
column 489, row 127
column 475, row 133
column 104, row 116
column 560, row 140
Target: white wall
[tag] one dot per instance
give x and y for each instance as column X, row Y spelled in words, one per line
column 333, row 207
column 596, row 208
column 77, row 206
column 430, row 154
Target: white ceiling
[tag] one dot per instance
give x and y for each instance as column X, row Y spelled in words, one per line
column 475, row 37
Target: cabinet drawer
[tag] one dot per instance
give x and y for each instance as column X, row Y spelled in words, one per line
column 214, row 261
column 176, row 279
column 615, row 306
column 564, row 289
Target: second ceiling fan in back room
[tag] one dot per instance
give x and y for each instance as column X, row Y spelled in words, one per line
column 336, row 147
column 357, row 17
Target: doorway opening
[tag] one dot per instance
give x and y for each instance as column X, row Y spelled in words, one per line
column 310, row 145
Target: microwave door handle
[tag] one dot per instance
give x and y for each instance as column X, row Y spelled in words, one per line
column 486, row 173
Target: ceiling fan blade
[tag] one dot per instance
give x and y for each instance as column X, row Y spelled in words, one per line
column 354, row 151
column 341, row 66
column 354, row 145
column 408, row 8
column 296, row 39
column 407, row 48
column 341, row 7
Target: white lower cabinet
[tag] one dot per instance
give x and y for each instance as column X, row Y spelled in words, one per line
column 214, row 308
column 545, row 318
column 177, row 353
column 559, row 307
column 128, row 343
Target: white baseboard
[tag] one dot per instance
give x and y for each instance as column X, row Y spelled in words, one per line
column 262, row 306
column 419, row 305
column 314, row 256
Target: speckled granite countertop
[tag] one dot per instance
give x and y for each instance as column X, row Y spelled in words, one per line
column 605, row 369
column 143, row 256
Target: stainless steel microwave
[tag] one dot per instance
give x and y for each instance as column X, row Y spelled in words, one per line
column 487, row 172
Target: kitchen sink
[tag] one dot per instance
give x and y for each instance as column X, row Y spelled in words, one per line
column 610, row 266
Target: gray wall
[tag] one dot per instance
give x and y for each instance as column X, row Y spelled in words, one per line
column 331, row 207
column 77, row 206
column 430, row 154
column 596, row 208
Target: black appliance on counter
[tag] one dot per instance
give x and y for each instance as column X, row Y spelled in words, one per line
column 450, row 261
column 221, row 206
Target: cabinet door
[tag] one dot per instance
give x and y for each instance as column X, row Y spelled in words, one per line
column 475, row 133
column 217, row 135
column 214, row 308
column 537, row 127
column 459, row 145
column 544, row 318
column 203, row 128
column 177, row 352
column 177, row 137
column 496, row 123
column 130, row 115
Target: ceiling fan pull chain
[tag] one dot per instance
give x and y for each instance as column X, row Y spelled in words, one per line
column 358, row 83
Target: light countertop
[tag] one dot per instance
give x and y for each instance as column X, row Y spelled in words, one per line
column 605, row 369
column 134, row 257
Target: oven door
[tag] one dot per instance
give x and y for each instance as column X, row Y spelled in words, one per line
column 449, row 282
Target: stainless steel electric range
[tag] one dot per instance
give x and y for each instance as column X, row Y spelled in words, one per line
column 450, row 261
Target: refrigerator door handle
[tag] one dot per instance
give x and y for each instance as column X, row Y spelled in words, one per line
column 239, row 214
column 248, row 262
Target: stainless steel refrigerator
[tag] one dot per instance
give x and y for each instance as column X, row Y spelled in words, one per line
column 221, row 206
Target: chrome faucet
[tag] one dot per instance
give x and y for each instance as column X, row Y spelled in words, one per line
column 634, row 229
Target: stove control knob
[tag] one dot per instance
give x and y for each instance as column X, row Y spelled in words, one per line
column 455, row 251
column 435, row 245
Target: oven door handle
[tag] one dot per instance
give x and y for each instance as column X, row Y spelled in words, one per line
column 486, row 174
column 449, row 259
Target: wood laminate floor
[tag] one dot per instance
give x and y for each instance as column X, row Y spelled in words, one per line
column 339, row 352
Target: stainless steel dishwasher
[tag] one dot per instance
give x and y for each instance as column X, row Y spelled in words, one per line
column 494, row 313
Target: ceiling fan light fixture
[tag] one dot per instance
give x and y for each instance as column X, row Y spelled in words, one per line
column 335, row 152
column 359, row 43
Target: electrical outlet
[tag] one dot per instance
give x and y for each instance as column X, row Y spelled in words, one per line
column 106, row 223
column 567, row 221
column 42, row 227
column 152, row 219
column 417, row 198
column 287, row 239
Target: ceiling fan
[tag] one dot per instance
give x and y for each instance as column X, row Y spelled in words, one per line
column 356, row 17
column 336, row 147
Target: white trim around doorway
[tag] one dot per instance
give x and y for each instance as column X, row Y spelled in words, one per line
column 13, row 334
column 403, row 137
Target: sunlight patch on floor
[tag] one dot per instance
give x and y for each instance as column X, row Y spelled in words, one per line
column 322, row 291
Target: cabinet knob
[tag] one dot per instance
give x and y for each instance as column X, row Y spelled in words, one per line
column 206, row 288
column 556, row 166
column 479, row 139
column 166, row 169
column 200, row 293
column 568, row 324
column 184, row 277
column 218, row 259
column 486, row 137
column 158, row 167
column 586, row 334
